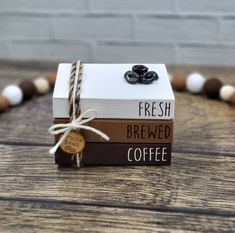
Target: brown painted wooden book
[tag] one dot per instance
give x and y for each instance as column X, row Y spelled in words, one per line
column 113, row 154
column 129, row 130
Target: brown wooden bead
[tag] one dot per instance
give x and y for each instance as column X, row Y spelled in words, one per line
column 28, row 88
column 212, row 87
column 4, row 104
column 178, row 82
column 232, row 99
column 51, row 77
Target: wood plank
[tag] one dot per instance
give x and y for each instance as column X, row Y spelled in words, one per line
column 204, row 125
column 28, row 123
column 18, row 216
column 192, row 181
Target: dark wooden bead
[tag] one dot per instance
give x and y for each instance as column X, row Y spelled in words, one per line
column 140, row 69
column 131, row 77
column 4, row 104
column 149, row 77
column 212, row 87
column 28, row 88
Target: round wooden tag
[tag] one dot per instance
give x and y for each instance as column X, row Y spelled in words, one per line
column 73, row 143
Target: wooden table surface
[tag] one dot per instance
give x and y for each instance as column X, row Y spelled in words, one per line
column 195, row 193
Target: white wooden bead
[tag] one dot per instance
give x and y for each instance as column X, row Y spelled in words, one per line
column 42, row 85
column 14, row 94
column 195, row 82
column 226, row 92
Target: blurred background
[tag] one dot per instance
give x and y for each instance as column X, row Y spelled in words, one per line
column 168, row 31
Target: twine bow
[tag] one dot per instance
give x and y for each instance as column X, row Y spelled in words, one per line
column 75, row 124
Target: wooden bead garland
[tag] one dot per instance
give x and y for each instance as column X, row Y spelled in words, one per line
column 211, row 88
column 179, row 82
column 194, row 83
column 226, row 92
column 42, row 85
column 28, row 88
column 13, row 95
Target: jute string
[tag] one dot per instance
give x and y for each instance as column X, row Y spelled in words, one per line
column 76, row 117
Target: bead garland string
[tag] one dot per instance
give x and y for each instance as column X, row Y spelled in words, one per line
column 212, row 88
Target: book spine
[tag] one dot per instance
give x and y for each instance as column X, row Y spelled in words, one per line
column 115, row 154
column 120, row 109
column 129, row 131
column 131, row 109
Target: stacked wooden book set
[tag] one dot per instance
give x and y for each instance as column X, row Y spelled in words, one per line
column 137, row 114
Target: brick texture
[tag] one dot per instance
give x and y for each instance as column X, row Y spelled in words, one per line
column 170, row 31
column 132, row 6
column 59, row 50
column 134, row 52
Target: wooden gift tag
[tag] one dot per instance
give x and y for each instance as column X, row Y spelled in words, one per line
column 73, row 143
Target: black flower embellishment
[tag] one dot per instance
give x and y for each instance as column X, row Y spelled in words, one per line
column 140, row 74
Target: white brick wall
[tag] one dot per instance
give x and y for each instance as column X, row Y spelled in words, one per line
column 170, row 31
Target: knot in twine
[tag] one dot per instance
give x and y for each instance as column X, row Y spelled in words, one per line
column 75, row 124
